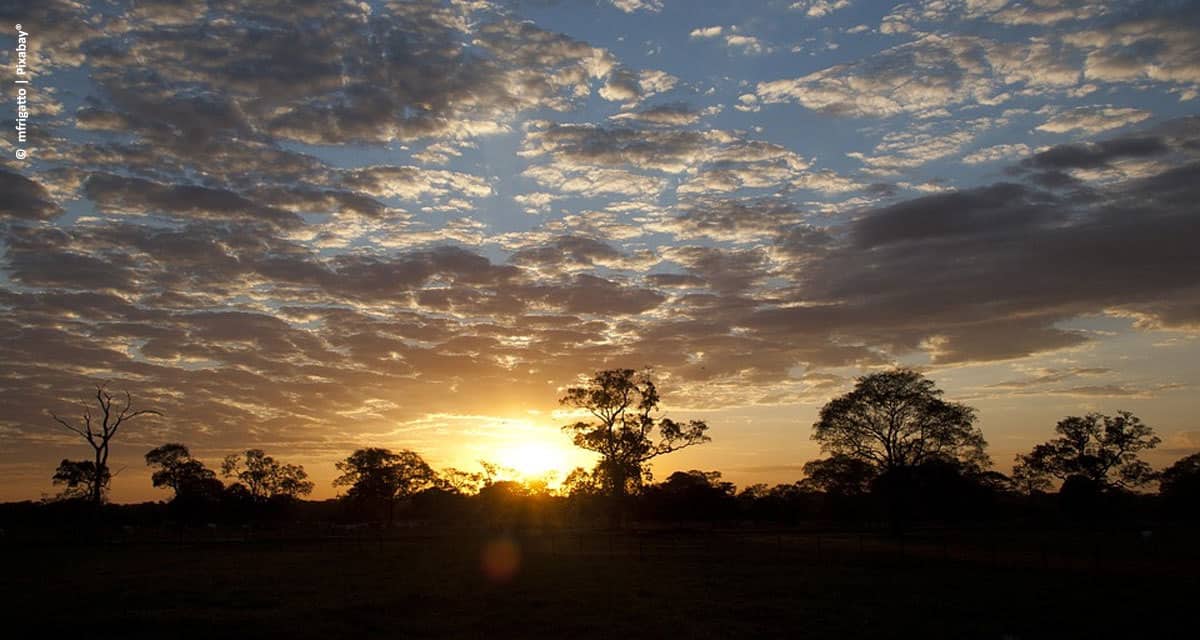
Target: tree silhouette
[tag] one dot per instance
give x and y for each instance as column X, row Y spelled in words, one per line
column 264, row 477
column 98, row 430
column 691, row 496
column 623, row 403
column 1179, row 485
column 379, row 477
column 839, row 475
column 897, row 419
column 79, row 478
column 1098, row 449
column 186, row 476
column 581, row 482
column 459, row 481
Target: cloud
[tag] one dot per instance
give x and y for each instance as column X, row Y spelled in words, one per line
column 576, row 253
column 1091, row 120
column 1029, row 244
column 593, row 181
column 1043, row 377
column 933, row 71
column 121, row 195
column 412, row 183
column 729, row 219
column 1160, row 48
column 732, row 38
column 1144, row 43
column 1094, row 155
column 819, row 8
column 182, row 235
column 996, row 153
column 1039, row 13
column 25, row 199
column 746, row 45
column 706, row 32
column 630, row 6
column 718, row 161
column 676, row 114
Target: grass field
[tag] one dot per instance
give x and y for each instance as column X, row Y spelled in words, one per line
column 670, row 585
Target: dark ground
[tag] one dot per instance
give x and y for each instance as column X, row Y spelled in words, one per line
column 674, row 585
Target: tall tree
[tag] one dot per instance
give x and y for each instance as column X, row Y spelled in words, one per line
column 382, row 477
column 265, row 477
column 98, row 430
column 897, row 420
column 624, row 404
column 1101, row 450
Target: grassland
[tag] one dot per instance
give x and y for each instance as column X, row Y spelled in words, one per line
column 665, row 585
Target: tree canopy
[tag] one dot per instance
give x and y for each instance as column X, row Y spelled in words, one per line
column 177, row 469
column 265, row 477
column 1101, row 449
column 839, row 475
column 625, row 430
column 897, row 419
column 376, row 473
column 80, row 480
column 1179, row 484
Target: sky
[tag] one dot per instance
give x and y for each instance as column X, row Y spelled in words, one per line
column 310, row 227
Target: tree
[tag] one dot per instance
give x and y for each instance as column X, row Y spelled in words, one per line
column 1101, row 450
column 264, row 477
column 380, row 477
column 1179, row 485
column 183, row 474
column 459, row 481
column 623, row 403
column 896, row 420
column 839, row 475
column 581, row 482
column 99, row 430
column 690, row 496
column 1026, row 480
column 79, row 476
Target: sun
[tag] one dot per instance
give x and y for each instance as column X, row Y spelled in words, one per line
column 533, row 459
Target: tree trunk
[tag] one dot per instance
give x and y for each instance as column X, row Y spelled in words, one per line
column 98, row 477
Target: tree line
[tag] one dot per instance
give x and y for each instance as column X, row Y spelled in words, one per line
column 896, row 451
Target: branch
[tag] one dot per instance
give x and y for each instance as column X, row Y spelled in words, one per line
column 68, row 425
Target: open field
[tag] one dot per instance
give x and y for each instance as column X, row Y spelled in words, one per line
column 677, row 584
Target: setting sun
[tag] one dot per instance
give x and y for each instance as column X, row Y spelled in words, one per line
column 535, row 459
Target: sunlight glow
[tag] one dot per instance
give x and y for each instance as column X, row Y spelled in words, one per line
column 534, row 459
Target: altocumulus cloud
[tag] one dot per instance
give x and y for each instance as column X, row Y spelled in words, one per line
column 287, row 245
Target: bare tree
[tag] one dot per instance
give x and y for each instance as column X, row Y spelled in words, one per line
column 99, row 430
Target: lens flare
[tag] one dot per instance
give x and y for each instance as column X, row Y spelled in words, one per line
column 500, row 559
